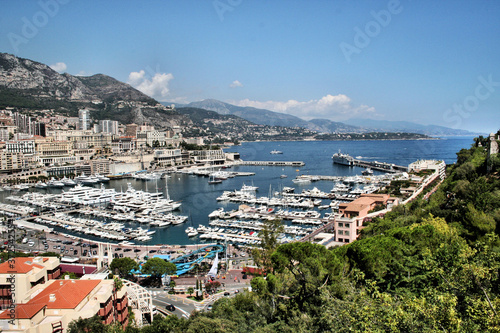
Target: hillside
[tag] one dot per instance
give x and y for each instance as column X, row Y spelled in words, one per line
column 267, row 117
column 406, row 126
column 256, row 116
column 429, row 266
column 30, row 85
column 231, row 127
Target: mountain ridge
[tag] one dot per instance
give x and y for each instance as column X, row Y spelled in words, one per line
column 25, row 83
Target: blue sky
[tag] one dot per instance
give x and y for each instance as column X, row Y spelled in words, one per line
column 430, row 62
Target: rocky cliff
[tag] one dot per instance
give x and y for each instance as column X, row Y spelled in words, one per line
column 28, row 84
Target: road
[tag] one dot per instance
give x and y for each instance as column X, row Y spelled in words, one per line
column 183, row 306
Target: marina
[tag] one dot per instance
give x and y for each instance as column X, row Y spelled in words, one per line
column 329, row 183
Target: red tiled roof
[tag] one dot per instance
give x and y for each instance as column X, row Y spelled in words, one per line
column 21, row 265
column 68, row 294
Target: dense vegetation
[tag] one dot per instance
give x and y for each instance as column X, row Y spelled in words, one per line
column 431, row 265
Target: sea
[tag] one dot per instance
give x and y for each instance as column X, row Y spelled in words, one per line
column 198, row 197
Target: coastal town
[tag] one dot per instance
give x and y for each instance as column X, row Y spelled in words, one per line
column 88, row 226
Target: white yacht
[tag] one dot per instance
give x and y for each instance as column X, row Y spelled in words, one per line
column 68, row 182
column 249, row 188
column 55, row 183
column 41, row 184
column 101, row 178
column 86, row 180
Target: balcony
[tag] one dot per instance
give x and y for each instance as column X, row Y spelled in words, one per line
column 103, row 311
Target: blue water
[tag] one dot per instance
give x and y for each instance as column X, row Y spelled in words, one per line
column 199, row 198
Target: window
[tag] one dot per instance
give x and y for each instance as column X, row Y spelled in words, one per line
column 341, row 225
column 341, row 232
column 346, row 233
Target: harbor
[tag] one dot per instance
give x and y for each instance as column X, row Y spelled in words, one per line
column 319, row 185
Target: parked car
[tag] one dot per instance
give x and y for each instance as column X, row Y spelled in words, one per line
column 170, row 307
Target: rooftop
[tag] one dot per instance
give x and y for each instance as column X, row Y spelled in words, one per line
column 60, row 294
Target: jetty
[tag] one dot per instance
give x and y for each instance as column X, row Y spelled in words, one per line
column 273, row 163
column 380, row 166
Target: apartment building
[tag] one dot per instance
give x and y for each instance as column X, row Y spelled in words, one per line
column 22, row 274
column 20, row 146
column 10, row 162
column 353, row 214
column 108, row 126
column 43, row 304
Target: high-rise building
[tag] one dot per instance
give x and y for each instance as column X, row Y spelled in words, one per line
column 84, row 119
column 109, row 126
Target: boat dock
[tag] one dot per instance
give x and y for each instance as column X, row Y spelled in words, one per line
column 273, row 163
column 380, row 166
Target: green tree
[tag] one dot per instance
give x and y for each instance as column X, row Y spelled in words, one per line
column 158, row 267
column 269, row 242
column 93, row 324
column 123, row 266
column 190, row 291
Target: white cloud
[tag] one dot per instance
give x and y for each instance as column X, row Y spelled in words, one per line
column 236, row 84
column 156, row 87
column 333, row 107
column 59, row 67
column 82, row 73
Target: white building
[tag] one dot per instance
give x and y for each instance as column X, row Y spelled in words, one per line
column 84, row 119
column 21, row 146
column 438, row 166
column 108, row 126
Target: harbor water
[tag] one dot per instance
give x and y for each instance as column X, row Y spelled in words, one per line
column 198, row 197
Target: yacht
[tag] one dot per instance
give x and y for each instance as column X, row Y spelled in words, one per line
column 191, row 232
column 343, row 159
column 41, row 184
column 55, row 183
column 101, row 178
column 249, row 188
column 68, row 182
column 301, row 180
column 86, row 180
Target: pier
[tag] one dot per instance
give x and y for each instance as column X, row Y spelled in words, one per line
column 380, row 166
column 273, row 163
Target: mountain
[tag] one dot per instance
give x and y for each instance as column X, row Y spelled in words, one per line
column 257, row 116
column 27, row 84
column 328, row 126
column 405, row 126
column 267, row 117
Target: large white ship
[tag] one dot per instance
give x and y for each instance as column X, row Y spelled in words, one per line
column 344, row 159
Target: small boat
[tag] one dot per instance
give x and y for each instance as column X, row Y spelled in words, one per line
column 214, row 180
column 276, row 152
column 367, row 172
column 283, row 176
